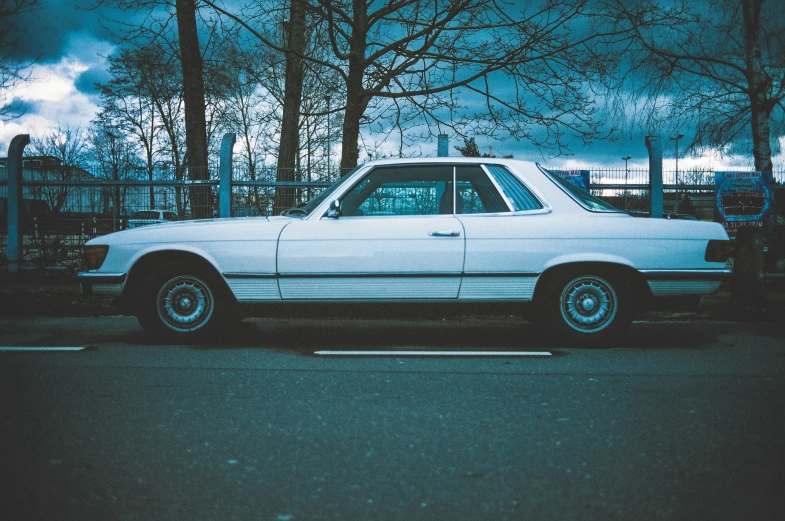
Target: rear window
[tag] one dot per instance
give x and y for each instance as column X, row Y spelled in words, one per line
column 583, row 197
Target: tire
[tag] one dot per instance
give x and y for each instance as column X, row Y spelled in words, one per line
column 587, row 307
column 181, row 302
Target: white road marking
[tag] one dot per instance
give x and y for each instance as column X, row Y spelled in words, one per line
column 433, row 353
column 47, row 348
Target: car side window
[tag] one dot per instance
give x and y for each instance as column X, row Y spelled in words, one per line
column 401, row 190
column 514, row 190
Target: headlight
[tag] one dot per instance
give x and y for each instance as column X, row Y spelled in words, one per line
column 94, row 256
column 719, row 251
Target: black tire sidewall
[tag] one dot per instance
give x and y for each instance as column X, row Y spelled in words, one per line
column 147, row 302
column 555, row 325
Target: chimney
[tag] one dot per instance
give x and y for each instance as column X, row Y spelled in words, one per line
column 444, row 146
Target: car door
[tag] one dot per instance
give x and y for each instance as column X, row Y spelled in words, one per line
column 397, row 238
column 499, row 215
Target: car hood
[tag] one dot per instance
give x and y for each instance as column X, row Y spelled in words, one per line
column 226, row 229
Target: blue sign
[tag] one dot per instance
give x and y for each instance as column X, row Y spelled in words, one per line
column 579, row 178
column 743, row 199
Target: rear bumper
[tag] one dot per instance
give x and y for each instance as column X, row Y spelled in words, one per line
column 101, row 283
column 675, row 283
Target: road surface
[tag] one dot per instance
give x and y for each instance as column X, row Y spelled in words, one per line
column 685, row 421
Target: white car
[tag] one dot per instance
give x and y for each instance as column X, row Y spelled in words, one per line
column 447, row 230
column 145, row 217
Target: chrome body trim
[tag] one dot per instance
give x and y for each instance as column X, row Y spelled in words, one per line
column 673, row 288
column 98, row 277
column 503, row 195
column 92, row 282
column 677, row 274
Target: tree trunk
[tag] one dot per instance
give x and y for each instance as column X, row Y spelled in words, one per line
column 193, row 98
column 290, row 124
column 150, row 170
column 748, row 283
column 150, row 159
column 356, row 101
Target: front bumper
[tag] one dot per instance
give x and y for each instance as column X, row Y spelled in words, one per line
column 675, row 283
column 101, row 283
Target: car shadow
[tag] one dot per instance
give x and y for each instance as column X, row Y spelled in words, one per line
column 306, row 335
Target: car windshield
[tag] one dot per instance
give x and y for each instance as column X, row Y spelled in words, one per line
column 145, row 215
column 583, row 197
column 303, row 209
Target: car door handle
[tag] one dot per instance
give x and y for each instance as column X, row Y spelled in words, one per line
column 445, row 234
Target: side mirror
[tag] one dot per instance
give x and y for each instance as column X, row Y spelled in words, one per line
column 335, row 209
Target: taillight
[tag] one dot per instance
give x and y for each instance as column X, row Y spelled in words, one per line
column 719, row 251
column 94, row 256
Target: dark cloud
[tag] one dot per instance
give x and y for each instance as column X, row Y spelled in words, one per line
column 49, row 30
column 86, row 81
column 21, row 107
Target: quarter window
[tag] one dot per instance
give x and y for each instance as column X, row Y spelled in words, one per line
column 519, row 196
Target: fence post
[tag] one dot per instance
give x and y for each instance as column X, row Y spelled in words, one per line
column 225, row 176
column 655, row 175
column 14, row 249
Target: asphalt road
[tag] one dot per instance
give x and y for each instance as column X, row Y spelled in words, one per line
column 683, row 422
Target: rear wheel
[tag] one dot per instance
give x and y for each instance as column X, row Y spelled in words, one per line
column 180, row 302
column 587, row 306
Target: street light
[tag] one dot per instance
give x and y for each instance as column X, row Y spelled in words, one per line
column 677, row 138
column 626, row 177
column 327, row 99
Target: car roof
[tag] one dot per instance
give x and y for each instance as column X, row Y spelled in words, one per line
column 450, row 161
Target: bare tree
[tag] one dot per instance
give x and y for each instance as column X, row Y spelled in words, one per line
column 281, row 77
column 193, row 97
column 407, row 58
column 248, row 108
column 720, row 65
column 156, row 30
column 113, row 154
column 66, row 146
column 129, row 104
column 12, row 71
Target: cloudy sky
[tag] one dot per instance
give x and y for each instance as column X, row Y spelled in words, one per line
column 68, row 45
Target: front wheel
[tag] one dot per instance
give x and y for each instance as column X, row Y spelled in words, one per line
column 179, row 303
column 587, row 308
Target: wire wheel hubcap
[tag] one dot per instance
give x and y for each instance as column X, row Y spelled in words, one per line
column 185, row 303
column 588, row 304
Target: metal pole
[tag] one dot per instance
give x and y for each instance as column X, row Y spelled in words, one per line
column 626, row 178
column 15, row 197
column 225, row 176
column 677, row 138
column 327, row 99
column 655, row 175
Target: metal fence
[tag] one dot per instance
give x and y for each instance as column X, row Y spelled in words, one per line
column 687, row 192
column 60, row 213
column 59, row 216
